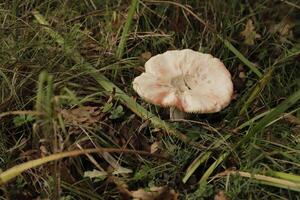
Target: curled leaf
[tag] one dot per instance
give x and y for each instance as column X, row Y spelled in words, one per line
column 249, row 33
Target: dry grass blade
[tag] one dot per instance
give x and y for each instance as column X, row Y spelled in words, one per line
column 17, row 170
column 267, row 180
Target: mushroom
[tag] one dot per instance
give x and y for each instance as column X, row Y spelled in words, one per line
column 187, row 81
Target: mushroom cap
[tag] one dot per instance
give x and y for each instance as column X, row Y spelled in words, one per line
column 191, row 81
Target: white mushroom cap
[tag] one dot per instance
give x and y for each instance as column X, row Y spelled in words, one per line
column 188, row 80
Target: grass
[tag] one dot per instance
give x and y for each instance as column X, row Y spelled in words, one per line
column 66, row 69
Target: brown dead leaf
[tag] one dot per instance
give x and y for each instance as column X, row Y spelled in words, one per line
column 292, row 119
column 284, row 28
column 146, row 55
column 86, row 116
column 242, row 75
column 155, row 146
column 249, row 33
column 44, row 151
column 296, row 133
column 155, row 193
column 221, row 196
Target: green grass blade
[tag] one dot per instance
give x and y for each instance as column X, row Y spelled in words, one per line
column 259, row 116
column 49, row 95
column 240, row 56
column 257, row 89
column 58, row 38
column 210, row 170
column 195, row 164
column 126, row 28
column 40, row 93
column 281, row 108
column 202, row 158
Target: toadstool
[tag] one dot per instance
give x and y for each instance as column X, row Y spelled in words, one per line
column 187, row 81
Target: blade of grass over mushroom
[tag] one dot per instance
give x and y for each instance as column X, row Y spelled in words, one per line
column 15, row 171
column 126, row 28
column 110, row 87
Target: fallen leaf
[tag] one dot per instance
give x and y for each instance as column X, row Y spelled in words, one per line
column 146, row 55
column 154, row 193
column 292, row 119
column 221, row 196
column 249, row 33
column 296, row 133
column 95, row 174
column 284, row 28
column 154, row 147
column 242, row 75
column 84, row 116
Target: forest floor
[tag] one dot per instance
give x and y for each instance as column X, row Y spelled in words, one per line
column 66, row 72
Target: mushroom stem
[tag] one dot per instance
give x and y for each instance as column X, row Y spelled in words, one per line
column 176, row 114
